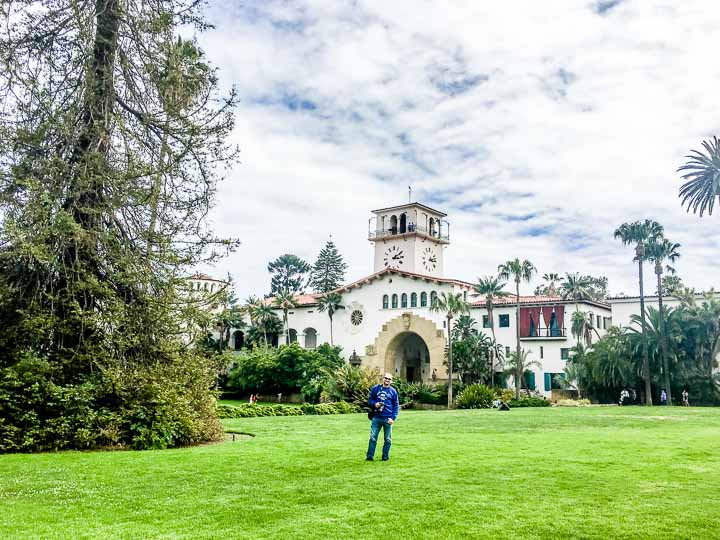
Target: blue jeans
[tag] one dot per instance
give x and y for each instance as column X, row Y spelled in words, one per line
column 375, row 425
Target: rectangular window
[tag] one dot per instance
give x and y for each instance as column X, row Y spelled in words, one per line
column 598, row 321
column 541, row 352
column 565, row 354
column 507, row 352
column 504, row 321
column 529, row 380
column 552, row 382
column 486, row 321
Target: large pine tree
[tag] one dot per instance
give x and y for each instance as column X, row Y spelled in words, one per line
column 328, row 273
column 112, row 134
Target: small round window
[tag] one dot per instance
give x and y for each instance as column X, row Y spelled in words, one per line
column 356, row 317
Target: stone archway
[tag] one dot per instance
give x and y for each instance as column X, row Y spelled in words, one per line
column 411, row 333
column 409, row 355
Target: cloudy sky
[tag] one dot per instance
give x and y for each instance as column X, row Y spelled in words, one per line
column 538, row 127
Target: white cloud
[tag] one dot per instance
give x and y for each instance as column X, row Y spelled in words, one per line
column 491, row 111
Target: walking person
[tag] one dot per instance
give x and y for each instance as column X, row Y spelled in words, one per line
column 385, row 406
column 663, row 397
column 685, row 401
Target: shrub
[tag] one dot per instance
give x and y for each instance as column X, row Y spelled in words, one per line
column 506, row 394
column 430, row 394
column 529, row 402
column 475, row 396
column 573, row 402
column 158, row 405
column 352, row 384
column 249, row 411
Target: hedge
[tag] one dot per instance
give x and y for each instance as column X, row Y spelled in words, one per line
column 248, row 411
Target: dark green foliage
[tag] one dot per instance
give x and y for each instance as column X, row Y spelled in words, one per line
column 328, row 272
column 287, row 369
column 430, row 394
column 529, row 402
column 112, row 139
column 702, row 178
column 339, row 407
column 288, row 274
column 155, row 407
column 475, row 396
column 248, row 411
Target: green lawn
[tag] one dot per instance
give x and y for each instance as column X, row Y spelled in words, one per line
column 603, row 472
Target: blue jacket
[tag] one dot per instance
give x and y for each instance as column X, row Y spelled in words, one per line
column 389, row 399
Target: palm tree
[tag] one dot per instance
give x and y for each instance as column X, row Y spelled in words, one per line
column 582, row 327
column 285, row 301
column 702, row 179
column 491, row 288
column 519, row 271
column 576, row 287
column 261, row 315
column 658, row 252
column 330, row 302
column 640, row 233
column 551, row 279
column 519, row 364
column 451, row 305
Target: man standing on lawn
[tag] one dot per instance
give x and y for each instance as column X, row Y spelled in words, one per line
column 384, row 403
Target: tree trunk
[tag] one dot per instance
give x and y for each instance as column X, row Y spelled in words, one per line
column 88, row 163
column 663, row 347
column 331, row 332
column 492, row 351
column 287, row 328
column 517, row 333
column 645, row 358
column 450, row 363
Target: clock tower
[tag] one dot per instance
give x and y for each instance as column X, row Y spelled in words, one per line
column 409, row 237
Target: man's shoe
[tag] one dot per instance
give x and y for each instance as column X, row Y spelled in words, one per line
column 369, row 459
column 386, row 459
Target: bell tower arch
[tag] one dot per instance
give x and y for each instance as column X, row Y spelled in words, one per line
column 410, row 237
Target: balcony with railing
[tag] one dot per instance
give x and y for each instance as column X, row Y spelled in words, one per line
column 542, row 322
column 441, row 236
column 544, row 333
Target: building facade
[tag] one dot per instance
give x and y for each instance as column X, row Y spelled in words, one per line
column 387, row 322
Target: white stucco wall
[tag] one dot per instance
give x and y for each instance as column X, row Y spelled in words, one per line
column 368, row 299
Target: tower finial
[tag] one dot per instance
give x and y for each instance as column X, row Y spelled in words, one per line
column 409, row 194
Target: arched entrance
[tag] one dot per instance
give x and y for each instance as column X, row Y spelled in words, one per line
column 408, row 354
column 399, row 343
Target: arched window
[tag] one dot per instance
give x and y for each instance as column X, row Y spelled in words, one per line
column 413, row 300
column 238, row 340
column 293, row 335
column 403, row 300
column 403, row 223
column 423, row 299
column 386, row 301
column 310, row 338
column 432, row 227
column 394, row 301
column 393, row 225
column 433, row 298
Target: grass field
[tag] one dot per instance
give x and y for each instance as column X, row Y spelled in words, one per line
column 602, row 472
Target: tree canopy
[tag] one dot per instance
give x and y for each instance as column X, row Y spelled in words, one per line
column 112, row 142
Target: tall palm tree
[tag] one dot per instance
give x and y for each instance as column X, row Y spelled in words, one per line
column 576, row 287
column 551, row 279
column 658, row 252
column 640, row 233
column 519, row 271
column 285, row 301
column 331, row 303
column 519, row 364
column 491, row 288
column 451, row 305
column 702, row 179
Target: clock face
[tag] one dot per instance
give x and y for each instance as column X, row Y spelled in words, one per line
column 429, row 259
column 394, row 257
